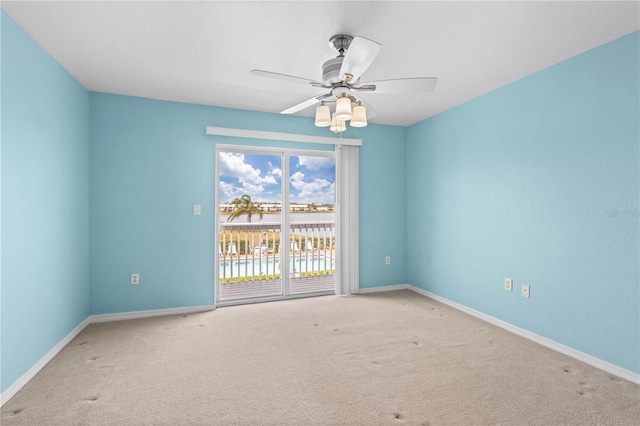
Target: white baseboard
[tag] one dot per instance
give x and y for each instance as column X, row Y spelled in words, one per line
column 121, row 316
column 93, row 319
column 551, row 344
column 384, row 288
column 24, row 379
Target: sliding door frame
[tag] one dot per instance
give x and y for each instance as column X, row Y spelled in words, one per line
column 350, row 258
column 285, row 219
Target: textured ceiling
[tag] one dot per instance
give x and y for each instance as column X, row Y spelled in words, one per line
column 202, row 52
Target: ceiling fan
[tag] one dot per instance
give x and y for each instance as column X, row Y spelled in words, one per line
column 341, row 77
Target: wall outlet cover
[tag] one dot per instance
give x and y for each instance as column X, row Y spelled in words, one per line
column 508, row 284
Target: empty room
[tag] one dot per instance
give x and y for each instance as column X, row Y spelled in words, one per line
column 320, row 213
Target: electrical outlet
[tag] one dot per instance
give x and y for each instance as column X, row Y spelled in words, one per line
column 508, row 284
column 135, row 279
column 388, row 260
column 526, row 292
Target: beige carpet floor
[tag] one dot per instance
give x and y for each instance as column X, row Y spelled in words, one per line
column 380, row 359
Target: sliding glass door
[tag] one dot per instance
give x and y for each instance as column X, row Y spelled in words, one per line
column 312, row 223
column 276, row 224
column 249, row 218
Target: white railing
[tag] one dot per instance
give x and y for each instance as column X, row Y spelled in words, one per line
column 250, row 258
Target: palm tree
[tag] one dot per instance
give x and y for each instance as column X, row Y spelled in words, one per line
column 242, row 206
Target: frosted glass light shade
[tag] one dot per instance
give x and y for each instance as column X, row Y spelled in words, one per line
column 343, row 108
column 359, row 116
column 323, row 116
column 334, row 123
column 337, row 125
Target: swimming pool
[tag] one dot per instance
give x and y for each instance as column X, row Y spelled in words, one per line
column 300, row 265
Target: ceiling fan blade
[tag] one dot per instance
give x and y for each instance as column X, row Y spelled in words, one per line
column 370, row 111
column 286, row 77
column 359, row 56
column 305, row 104
column 403, row 85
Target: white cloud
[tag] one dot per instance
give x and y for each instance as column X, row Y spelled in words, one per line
column 316, row 163
column 252, row 189
column 250, row 179
column 276, row 172
column 318, row 191
column 229, row 190
column 234, row 165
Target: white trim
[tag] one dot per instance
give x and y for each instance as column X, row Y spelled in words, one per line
column 279, row 136
column 24, row 379
column 121, row 316
column 285, row 224
column 551, row 344
column 279, row 298
column 384, row 288
column 92, row 319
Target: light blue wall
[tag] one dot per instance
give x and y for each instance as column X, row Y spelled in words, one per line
column 383, row 206
column 151, row 161
column 45, row 199
column 525, row 182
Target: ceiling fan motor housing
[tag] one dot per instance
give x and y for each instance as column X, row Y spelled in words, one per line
column 331, row 70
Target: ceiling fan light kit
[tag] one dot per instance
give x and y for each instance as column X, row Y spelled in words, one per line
column 358, row 116
column 345, row 111
column 323, row 116
column 337, row 125
column 343, row 108
column 341, row 76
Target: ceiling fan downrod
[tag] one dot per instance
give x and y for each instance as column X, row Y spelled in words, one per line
column 341, row 42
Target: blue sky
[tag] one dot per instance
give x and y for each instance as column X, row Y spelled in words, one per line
column 312, row 179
